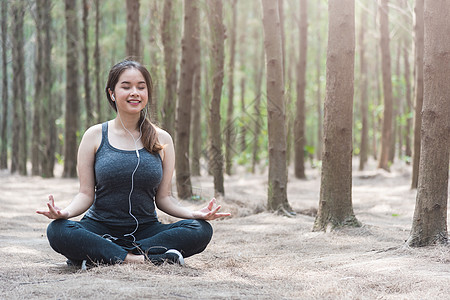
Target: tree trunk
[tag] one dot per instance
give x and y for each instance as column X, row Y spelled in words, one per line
column 386, row 136
column 133, row 39
column 299, row 126
column 19, row 146
column 98, row 83
column 5, row 113
column 87, row 80
column 364, row 100
column 419, row 46
column 72, row 94
column 243, row 64
column 230, row 149
column 408, row 105
column 188, row 67
column 154, row 29
column 276, row 115
column 38, row 85
column 319, row 86
column 283, row 37
column 48, row 111
column 259, row 71
column 217, row 30
column 396, row 102
column 169, row 28
column 335, row 206
column 196, row 143
column 430, row 214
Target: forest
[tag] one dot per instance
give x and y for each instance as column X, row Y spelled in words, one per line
column 272, row 88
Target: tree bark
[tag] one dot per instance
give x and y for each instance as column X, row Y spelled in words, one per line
column 215, row 18
column 299, row 125
column 230, row 149
column 319, row 85
column 276, row 115
column 196, row 129
column 364, row 107
column 48, row 111
column 98, row 83
column 38, row 85
column 183, row 175
column 5, row 113
column 259, row 71
column 87, row 79
column 430, row 214
column 133, row 38
column 19, row 145
column 168, row 37
column 335, row 206
column 419, row 46
column 386, row 136
column 72, row 93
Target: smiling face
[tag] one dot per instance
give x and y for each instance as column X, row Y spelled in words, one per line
column 131, row 91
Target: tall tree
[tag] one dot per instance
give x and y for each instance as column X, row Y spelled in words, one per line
column 258, row 77
column 169, row 28
column 407, row 77
column 98, row 83
column 217, row 30
column 364, row 107
column 386, row 135
column 48, row 111
column 87, row 79
column 183, row 175
column 318, row 83
column 418, row 94
column 335, row 206
column 229, row 132
column 19, row 143
column 4, row 136
column 243, row 64
column 196, row 143
column 430, row 214
column 72, row 93
column 38, row 85
column 276, row 115
column 299, row 126
column 133, row 38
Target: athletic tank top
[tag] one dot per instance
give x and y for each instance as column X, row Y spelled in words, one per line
column 113, row 170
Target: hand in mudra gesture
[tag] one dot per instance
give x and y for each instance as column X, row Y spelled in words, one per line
column 53, row 212
column 210, row 212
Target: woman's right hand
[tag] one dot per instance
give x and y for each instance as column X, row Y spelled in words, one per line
column 53, row 212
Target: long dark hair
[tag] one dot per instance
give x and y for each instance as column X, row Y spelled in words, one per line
column 149, row 136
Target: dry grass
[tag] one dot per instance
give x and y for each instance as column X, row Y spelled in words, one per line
column 254, row 255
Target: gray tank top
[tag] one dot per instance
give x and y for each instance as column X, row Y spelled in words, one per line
column 113, row 170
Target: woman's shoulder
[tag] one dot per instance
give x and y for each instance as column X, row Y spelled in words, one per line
column 93, row 136
column 164, row 137
column 94, row 130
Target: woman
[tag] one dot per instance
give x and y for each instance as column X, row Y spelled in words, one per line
column 125, row 167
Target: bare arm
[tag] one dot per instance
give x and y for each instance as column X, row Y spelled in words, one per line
column 164, row 199
column 85, row 196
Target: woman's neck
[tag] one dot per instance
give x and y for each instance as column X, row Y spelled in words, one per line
column 129, row 123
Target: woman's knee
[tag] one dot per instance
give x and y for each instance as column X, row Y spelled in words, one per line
column 58, row 229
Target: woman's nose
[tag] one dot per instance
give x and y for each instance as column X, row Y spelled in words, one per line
column 134, row 91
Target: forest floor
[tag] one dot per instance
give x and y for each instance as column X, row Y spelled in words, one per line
column 253, row 255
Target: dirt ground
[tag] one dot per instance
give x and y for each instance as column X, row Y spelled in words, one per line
column 253, row 255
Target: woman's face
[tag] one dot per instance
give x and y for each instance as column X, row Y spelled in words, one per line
column 131, row 92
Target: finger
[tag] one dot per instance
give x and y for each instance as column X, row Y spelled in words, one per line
column 51, row 208
column 51, row 199
column 211, row 203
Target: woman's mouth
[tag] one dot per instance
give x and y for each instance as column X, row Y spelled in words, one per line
column 134, row 101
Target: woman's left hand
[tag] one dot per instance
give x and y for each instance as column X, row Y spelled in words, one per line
column 210, row 212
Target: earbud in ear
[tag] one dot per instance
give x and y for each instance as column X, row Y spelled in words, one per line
column 113, row 98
